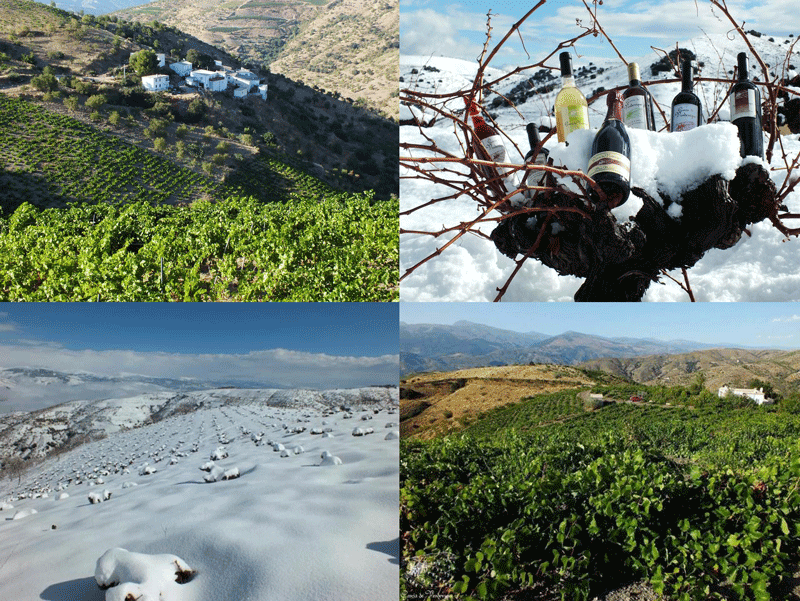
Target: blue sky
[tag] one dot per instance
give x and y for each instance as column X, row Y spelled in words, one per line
column 458, row 28
column 773, row 325
column 313, row 345
column 335, row 328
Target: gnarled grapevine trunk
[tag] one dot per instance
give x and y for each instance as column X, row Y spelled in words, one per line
column 619, row 261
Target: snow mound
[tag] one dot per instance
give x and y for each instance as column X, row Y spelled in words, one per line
column 125, row 575
column 220, row 453
column 23, row 513
column 218, row 473
column 328, row 459
column 392, row 435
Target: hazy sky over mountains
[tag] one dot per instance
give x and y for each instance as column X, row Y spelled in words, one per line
column 303, row 345
column 772, row 325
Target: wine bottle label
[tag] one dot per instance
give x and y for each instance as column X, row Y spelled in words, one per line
column 496, row 149
column 574, row 117
column 634, row 112
column 610, row 162
column 498, row 153
column 743, row 104
column 684, row 117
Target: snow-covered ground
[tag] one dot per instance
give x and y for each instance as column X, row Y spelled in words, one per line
column 294, row 524
column 759, row 268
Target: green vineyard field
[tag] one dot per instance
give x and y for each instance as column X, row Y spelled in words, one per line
column 696, row 503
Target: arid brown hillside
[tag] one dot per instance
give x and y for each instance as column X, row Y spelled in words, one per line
column 434, row 404
column 720, row 366
column 349, row 47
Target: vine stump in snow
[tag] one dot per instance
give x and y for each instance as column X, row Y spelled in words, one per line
column 619, row 261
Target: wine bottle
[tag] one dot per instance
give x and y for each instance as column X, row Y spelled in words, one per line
column 746, row 112
column 572, row 110
column 610, row 165
column 488, row 145
column 687, row 111
column 637, row 107
column 535, row 178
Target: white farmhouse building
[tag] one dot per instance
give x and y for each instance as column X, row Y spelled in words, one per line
column 182, row 68
column 244, row 78
column 155, row 83
column 239, row 92
column 210, row 80
column 757, row 394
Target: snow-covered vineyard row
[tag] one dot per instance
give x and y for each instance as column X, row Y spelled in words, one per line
column 261, row 502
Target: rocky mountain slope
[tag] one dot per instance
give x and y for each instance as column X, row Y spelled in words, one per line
column 56, row 429
column 348, row 47
column 735, row 367
column 229, row 140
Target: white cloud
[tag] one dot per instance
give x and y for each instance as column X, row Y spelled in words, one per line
column 787, row 319
column 7, row 327
column 281, row 367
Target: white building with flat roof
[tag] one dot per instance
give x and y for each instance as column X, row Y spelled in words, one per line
column 263, row 89
column 182, row 68
column 757, row 394
column 155, row 83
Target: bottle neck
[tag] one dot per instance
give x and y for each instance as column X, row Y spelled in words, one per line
column 687, row 78
column 568, row 81
column 614, row 107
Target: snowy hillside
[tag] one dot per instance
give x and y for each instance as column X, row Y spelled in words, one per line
column 39, row 433
column 296, row 502
column 761, row 267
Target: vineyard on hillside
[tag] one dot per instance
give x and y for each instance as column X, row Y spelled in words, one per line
column 342, row 248
column 89, row 217
column 699, row 502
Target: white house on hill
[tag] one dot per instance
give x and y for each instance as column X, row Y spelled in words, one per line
column 262, row 89
column 757, row 394
column 244, row 78
column 182, row 68
column 162, row 60
column 155, row 83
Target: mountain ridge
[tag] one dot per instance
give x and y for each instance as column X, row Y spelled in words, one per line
column 437, row 347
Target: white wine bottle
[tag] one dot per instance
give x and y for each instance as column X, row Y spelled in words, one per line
column 572, row 110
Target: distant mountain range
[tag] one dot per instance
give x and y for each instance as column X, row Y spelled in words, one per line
column 434, row 347
column 28, row 389
column 38, row 433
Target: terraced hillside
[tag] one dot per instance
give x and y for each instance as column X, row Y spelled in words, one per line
column 348, row 47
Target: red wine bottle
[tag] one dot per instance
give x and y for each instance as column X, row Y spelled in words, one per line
column 746, row 112
column 535, row 178
column 637, row 106
column 488, row 145
column 610, row 165
column 687, row 110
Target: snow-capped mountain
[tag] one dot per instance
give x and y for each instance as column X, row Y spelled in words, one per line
column 29, row 389
column 760, row 267
column 38, row 434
